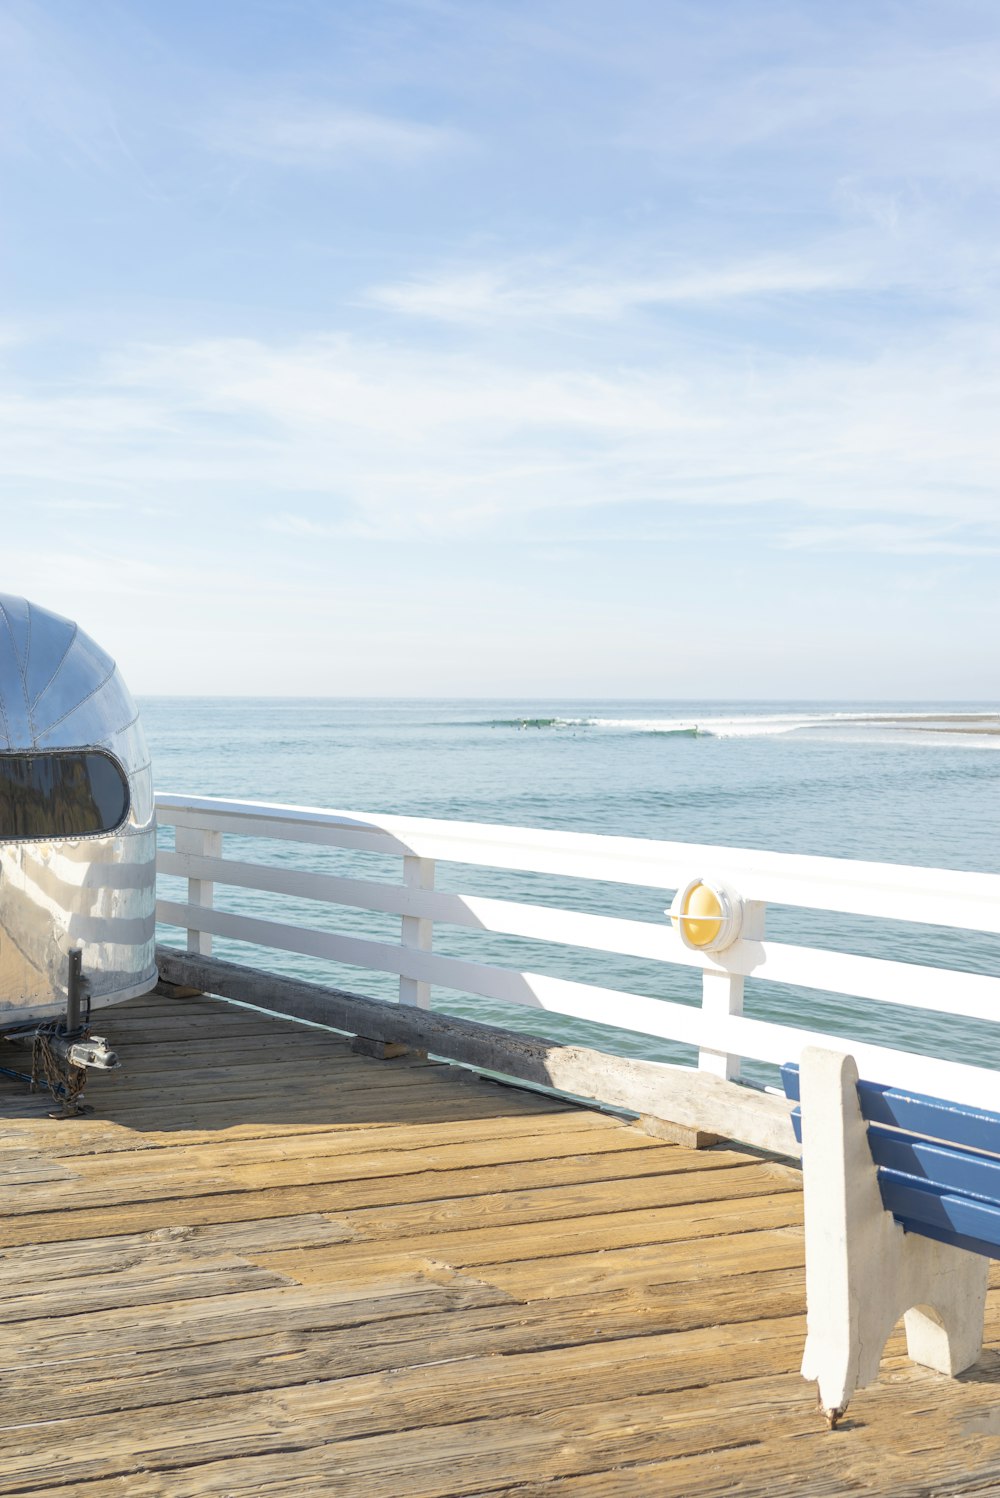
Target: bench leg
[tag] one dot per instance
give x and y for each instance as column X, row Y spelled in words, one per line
column 863, row 1273
column 947, row 1291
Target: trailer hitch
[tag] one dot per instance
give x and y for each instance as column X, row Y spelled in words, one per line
column 62, row 1049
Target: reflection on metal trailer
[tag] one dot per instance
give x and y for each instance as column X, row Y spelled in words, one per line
column 77, row 830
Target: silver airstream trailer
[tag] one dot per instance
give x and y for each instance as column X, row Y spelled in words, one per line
column 77, row 838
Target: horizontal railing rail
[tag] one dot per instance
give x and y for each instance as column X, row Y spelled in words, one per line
column 943, row 897
column 718, row 1028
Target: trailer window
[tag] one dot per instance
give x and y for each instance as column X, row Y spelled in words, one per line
column 68, row 793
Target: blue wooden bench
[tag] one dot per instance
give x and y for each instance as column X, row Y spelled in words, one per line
column 902, row 1210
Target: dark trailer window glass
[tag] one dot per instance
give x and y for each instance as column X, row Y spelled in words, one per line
column 74, row 793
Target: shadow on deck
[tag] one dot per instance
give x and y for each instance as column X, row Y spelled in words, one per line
column 285, row 1269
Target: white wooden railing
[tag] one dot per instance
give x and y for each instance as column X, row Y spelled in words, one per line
column 718, row 1028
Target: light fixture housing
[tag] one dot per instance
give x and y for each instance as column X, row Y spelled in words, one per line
column 707, row 915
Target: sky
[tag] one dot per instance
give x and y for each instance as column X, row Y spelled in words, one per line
column 476, row 347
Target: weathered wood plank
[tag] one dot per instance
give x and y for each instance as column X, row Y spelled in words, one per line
column 284, row 1359
column 195, row 1279
column 296, row 1048
column 47, row 1226
column 562, row 1389
column 269, row 1118
column 562, row 1424
column 94, row 1136
column 641, row 1266
column 193, row 1084
column 517, row 1243
column 330, row 1105
column 25, row 1267
column 120, row 1333
column 25, row 1171
column 358, row 1135
column 750, row 1442
column 137, row 1179
column 558, row 1203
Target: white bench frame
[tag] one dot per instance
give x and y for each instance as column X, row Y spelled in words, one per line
column 863, row 1272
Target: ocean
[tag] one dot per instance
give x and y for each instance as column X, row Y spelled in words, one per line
column 912, row 783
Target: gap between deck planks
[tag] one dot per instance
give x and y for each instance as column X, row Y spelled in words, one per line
column 305, row 1272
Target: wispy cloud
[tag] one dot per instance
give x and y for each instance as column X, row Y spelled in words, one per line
column 895, row 540
column 307, row 528
column 390, row 439
column 316, row 134
column 49, row 97
column 824, row 86
column 486, row 294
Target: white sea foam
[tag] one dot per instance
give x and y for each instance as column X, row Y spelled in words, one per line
column 914, row 727
column 742, row 727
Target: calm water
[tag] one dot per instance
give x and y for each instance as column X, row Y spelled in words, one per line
column 921, row 788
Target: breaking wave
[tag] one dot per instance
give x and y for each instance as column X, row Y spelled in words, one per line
column 911, row 727
column 534, row 722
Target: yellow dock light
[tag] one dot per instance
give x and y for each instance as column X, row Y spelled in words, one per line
column 708, row 916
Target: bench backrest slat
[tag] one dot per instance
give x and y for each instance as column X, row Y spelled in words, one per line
column 934, row 1118
column 931, row 1117
column 941, row 1214
column 937, row 1164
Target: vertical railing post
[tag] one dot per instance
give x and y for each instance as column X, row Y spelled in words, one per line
column 418, row 873
column 722, row 994
column 204, row 844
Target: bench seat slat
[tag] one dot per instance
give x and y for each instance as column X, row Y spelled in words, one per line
column 939, row 1165
column 942, row 1215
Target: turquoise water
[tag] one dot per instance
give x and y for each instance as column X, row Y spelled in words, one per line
column 911, row 783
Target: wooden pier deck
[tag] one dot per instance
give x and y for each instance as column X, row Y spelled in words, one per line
column 269, row 1266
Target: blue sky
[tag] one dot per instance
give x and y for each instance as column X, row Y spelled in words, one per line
column 549, row 348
